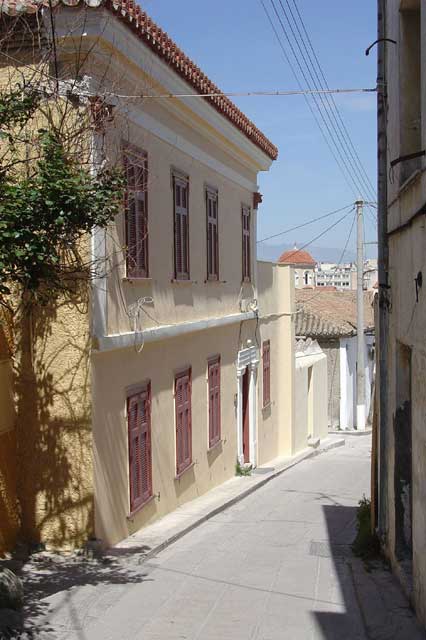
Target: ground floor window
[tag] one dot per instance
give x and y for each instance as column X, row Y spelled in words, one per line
column 214, row 400
column 183, row 421
column 140, row 463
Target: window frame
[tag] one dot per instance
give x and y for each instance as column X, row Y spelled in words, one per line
column 246, row 242
column 215, row 428
column 182, row 464
column 266, row 372
column 136, row 157
column 135, row 504
column 181, row 181
column 212, row 235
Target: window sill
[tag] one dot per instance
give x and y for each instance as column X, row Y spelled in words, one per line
column 215, row 446
column 137, row 279
column 187, row 282
column 179, row 475
column 134, row 513
column 211, row 281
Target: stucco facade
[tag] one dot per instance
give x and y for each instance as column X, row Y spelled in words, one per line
column 402, row 477
column 81, row 361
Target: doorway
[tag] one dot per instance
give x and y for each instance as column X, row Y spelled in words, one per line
column 246, row 416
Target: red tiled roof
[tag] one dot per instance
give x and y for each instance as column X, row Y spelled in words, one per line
column 324, row 313
column 297, row 256
column 163, row 46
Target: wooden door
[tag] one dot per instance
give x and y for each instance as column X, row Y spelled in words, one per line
column 246, row 420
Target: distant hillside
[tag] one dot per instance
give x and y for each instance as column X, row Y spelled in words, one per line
column 271, row 253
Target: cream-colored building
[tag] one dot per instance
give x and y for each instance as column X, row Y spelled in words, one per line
column 401, row 488
column 179, row 362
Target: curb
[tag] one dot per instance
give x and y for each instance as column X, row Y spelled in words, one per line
column 244, row 494
column 351, row 432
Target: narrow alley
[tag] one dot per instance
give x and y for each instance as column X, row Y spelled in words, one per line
column 276, row 565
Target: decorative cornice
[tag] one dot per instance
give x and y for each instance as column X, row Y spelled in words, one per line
column 166, row 49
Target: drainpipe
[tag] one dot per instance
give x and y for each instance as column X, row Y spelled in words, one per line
column 383, row 256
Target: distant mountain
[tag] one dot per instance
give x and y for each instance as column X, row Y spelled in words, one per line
column 271, row 253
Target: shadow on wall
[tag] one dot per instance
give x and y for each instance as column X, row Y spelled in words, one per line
column 54, row 442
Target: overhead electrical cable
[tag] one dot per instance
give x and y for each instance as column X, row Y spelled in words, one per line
column 305, row 224
column 323, row 103
column 308, row 102
column 332, row 134
column 320, row 235
column 358, row 159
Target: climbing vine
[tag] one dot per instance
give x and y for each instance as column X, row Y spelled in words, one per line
column 49, row 199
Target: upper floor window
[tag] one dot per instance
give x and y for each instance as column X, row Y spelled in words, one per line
column 212, row 235
column 136, row 206
column 181, row 227
column 245, row 214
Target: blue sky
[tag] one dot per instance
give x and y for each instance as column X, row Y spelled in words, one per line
column 232, row 41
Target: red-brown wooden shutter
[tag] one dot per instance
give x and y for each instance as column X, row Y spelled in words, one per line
column 266, row 373
column 181, row 228
column 136, row 203
column 214, row 401
column 140, row 460
column 212, row 235
column 246, row 253
column 183, row 421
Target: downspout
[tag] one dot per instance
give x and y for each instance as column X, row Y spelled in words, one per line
column 383, row 256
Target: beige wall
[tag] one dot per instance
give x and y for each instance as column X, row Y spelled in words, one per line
column 159, row 362
column 276, row 303
column 311, row 419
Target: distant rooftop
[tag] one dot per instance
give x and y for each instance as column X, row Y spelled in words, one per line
column 297, row 257
column 325, row 313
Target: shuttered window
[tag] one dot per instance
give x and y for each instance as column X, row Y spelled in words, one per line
column 212, row 235
column 136, row 204
column 246, row 243
column 140, row 464
column 214, row 400
column 183, row 421
column 266, row 372
column 181, row 227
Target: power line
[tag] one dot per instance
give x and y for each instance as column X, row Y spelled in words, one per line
column 338, row 150
column 293, row 253
column 305, row 224
column 352, row 148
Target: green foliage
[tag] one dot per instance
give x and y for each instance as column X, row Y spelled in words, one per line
column 17, row 106
column 46, row 208
column 242, row 470
column 366, row 544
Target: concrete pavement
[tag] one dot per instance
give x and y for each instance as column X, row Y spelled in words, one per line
column 276, row 565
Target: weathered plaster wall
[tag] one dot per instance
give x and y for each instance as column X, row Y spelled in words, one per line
column 407, row 315
column 311, row 398
column 332, row 352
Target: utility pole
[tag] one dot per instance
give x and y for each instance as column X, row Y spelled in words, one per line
column 360, row 368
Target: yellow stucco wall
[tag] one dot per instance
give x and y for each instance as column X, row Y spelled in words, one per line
column 53, row 417
column 9, row 512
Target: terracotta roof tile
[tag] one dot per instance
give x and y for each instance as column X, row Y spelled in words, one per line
column 297, row 256
column 159, row 41
column 323, row 313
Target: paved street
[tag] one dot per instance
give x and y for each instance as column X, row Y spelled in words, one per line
column 274, row 566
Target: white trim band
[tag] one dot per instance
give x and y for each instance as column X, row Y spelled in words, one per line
column 131, row 339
